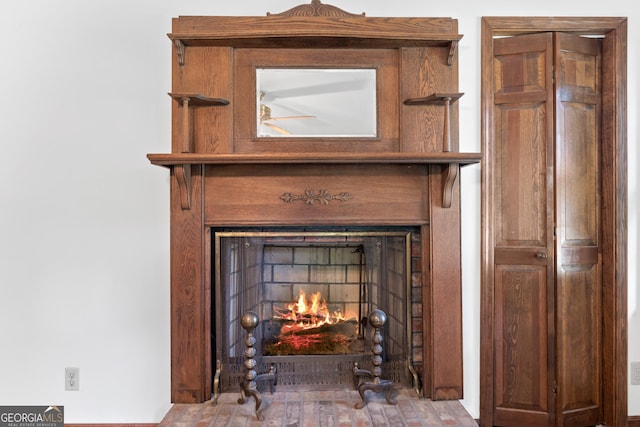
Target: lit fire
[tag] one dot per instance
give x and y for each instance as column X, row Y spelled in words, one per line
column 308, row 314
column 307, row 326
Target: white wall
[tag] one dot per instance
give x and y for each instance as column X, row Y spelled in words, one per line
column 84, row 245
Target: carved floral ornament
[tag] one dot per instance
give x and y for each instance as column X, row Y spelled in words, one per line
column 310, row 197
column 316, row 8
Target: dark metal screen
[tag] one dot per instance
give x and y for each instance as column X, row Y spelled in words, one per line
column 259, row 271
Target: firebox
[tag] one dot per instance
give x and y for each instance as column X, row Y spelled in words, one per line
column 312, row 291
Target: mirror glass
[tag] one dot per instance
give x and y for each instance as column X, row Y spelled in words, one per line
column 316, row 102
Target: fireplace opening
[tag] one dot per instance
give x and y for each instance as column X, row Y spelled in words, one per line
column 312, row 292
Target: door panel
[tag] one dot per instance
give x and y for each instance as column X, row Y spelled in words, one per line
column 523, row 226
column 578, row 366
column 521, row 345
column 579, row 284
column 521, row 219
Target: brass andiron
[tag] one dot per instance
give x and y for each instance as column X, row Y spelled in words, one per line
column 377, row 319
column 248, row 387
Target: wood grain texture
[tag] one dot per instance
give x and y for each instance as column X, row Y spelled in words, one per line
column 190, row 363
column 578, row 198
column 237, row 180
column 207, row 71
column 423, row 72
column 283, row 30
column 445, row 329
column 384, row 61
column 170, row 159
column 253, row 195
column 612, row 226
column 522, row 229
column 614, row 223
column 315, row 8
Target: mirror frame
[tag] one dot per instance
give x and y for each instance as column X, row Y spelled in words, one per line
column 383, row 61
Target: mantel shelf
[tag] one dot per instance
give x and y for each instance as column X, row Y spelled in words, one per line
column 304, row 40
column 448, row 158
column 182, row 163
column 280, row 31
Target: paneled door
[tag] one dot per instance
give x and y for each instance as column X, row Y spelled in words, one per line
column 578, row 281
column 545, row 227
column 523, row 228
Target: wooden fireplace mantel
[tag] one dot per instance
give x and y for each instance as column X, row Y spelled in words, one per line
column 182, row 162
column 224, row 175
column 172, row 159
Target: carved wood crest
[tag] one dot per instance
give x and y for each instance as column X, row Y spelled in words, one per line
column 310, row 197
column 315, row 8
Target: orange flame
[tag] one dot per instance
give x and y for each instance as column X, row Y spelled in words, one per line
column 307, row 314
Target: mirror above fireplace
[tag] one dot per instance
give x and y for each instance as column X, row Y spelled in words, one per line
column 316, row 102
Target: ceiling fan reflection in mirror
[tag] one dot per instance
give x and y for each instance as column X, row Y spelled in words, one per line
column 266, row 119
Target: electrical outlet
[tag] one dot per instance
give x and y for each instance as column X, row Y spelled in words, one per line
column 635, row 373
column 72, row 379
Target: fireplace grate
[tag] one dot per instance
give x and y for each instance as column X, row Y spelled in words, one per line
column 296, row 373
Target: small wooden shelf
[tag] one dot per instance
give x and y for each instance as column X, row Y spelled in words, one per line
column 196, row 99
column 445, row 99
column 188, row 101
column 436, row 98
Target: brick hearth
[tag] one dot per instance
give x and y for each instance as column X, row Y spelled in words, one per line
column 321, row 409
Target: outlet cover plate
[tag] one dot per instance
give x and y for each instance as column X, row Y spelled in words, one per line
column 635, row 373
column 72, row 379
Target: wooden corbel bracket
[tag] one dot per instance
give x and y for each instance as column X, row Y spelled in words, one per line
column 453, row 47
column 451, row 170
column 183, row 176
column 179, row 44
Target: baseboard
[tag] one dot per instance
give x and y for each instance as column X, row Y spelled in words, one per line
column 634, row 421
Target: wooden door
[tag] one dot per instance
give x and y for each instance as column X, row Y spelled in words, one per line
column 545, row 225
column 578, row 203
column 523, row 231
